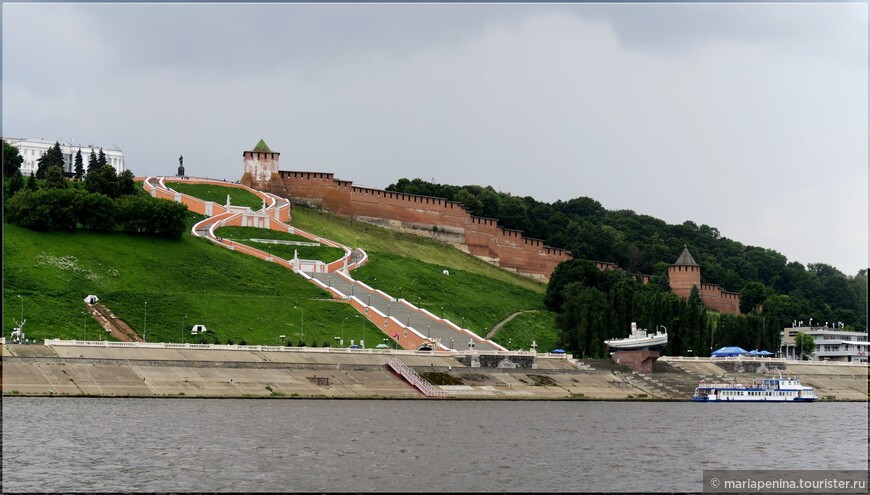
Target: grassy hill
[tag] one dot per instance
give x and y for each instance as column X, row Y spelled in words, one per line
column 243, row 298
column 237, row 296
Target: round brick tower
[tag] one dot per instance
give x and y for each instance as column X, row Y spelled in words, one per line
column 684, row 274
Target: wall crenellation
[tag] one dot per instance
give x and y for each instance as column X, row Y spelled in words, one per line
column 440, row 218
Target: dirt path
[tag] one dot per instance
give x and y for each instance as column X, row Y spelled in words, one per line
column 502, row 323
column 116, row 327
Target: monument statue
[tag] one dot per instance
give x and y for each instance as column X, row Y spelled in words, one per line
column 181, row 165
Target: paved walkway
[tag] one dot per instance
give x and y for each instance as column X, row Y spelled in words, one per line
column 444, row 332
column 502, row 323
column 428, row 326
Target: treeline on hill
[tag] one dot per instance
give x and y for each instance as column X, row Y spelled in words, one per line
column 594, row 305
column 48, row 201
column 644, row 244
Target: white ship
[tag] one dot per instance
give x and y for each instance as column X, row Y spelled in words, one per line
column 639, row 339
column 769, row 390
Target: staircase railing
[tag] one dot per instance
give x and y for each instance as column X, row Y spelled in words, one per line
column 414, row 379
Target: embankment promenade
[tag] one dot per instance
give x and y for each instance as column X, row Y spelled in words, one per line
column 96, row 369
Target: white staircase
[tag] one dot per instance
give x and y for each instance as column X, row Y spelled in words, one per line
column 416, row 380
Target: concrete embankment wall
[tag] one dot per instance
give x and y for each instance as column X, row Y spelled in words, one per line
column 70, row 370
column 139, row 372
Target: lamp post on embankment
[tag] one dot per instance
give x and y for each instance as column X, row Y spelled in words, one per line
column 182, row 328
column 145, row 324
column 301, row 324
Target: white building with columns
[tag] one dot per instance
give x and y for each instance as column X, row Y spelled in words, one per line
column 32, row 149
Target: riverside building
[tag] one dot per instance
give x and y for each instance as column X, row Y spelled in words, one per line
column 831, row 343
column 32, row 149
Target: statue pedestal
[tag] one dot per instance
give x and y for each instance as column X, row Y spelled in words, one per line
column 641, row 360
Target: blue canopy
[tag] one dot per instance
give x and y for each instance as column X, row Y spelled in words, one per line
column 558, row 351
column 730, row 351
column 756, row 352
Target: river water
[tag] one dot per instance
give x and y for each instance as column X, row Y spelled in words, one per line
column 238, row 445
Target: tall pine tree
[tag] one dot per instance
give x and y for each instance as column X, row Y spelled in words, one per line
column 79, row 166
column 101, row 159
column 52, row 157
column 92, row 162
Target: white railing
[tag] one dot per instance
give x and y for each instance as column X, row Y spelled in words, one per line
column 275, row 348
column 757, row 360
column 416, row 380
column 721, row 359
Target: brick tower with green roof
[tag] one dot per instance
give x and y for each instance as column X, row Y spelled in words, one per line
column 261, row 170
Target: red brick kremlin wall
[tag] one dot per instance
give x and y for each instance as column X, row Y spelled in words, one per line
column 450, row 222
column 683, row 277
column 438, row 218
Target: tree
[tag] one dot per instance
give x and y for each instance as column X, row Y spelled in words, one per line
column 79, row 166
column 126, row 184
column 11, row 159
column 97, row 212
column 16, row 183
column 54, row 178
column 103, row 180
column 45, row 209
column 805, row 344
column 753, row 294
column 101, row 159
column 92, row 162
column 52, row 157
column 31, row 182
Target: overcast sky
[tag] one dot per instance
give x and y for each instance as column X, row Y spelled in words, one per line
column 751, row 118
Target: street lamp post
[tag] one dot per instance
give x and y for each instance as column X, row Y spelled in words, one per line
column 84, row 324
column 301, row 324
column 145, row 324
column 182, row 328
column 22, row 306
column 363, row 341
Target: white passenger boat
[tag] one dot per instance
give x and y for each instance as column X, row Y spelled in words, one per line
column 769, row 390
column 639, row 339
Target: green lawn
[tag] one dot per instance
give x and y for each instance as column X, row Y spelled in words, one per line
column 218, row 194
column 468, row 299
column 519, row 333
column 475, row 294
column 372, row 238
column 237, row 296
column 244, row 235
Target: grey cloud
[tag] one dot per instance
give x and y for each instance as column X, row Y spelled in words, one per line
column 760, row 129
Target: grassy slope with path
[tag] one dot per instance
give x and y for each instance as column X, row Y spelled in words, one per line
column 244, row 235
column 218, row 194
column 238, row 296
column 475, row 293
column 519, row 333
